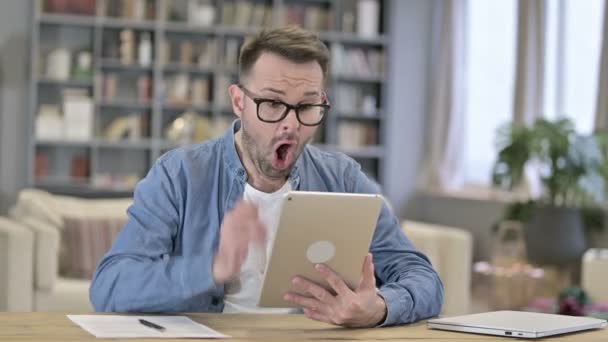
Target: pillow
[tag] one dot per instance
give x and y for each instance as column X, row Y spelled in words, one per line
column 84, row 241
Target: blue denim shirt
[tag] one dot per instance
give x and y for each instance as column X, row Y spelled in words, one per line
column 161, row 260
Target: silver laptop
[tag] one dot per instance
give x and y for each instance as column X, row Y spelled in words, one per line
column 516, row 324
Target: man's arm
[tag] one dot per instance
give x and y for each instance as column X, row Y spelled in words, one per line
column 142, row 272
column 410, row 287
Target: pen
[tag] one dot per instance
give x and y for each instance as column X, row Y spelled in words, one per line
column 151, row 325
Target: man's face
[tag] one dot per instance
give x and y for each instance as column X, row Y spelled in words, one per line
column 274, row 147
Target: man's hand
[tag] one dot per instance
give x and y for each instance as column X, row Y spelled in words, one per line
column 363, row 307
column 241, row 225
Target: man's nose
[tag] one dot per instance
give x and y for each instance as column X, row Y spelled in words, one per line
column 290, row 122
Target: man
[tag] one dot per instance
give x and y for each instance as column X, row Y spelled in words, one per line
column 204, row 218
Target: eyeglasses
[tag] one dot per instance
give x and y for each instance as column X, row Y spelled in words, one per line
column 272, row 111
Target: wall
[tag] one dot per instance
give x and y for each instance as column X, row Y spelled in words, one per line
column 15, row 22
column 409, row 57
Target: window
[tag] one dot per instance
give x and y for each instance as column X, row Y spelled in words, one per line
column 572, row 72
column 574, row 35
column 490, row 76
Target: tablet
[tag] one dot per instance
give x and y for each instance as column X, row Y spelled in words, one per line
column 319, row 227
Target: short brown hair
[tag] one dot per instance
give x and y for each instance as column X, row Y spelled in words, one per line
column 291, row 42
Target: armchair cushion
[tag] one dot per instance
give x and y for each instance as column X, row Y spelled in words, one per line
column 84, row 241
column 54, row 208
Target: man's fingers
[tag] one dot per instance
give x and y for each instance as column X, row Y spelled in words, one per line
column 368, row 280
column 317, row 316
column 240, row 227
column 334, row 280
column 305, row 302
column 248, row 215
column 315, row 290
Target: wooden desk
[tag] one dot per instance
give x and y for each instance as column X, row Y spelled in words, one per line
column 242, row 327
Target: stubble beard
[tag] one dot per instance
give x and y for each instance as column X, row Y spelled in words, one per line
column 260, row 161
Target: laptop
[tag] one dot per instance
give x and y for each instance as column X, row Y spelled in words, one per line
column 516, row 324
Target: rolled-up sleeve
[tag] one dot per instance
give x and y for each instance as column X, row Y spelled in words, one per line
column 405, row 277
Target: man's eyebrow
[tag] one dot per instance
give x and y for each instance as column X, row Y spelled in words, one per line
column 281, row 92
column 278, row 91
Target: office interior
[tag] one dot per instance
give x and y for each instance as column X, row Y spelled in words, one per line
column 483, row 122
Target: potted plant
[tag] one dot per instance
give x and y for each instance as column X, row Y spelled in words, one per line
column 572, row 169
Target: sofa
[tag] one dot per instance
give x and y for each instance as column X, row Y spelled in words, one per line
column 31, row 252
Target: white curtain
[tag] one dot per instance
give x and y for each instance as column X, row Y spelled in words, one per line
column 601, row 110
column 444, row 154
column 529, row 92
column 530, row 65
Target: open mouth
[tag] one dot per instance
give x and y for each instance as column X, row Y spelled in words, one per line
column 283, row 156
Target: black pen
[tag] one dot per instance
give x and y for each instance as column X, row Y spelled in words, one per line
column 151, row 325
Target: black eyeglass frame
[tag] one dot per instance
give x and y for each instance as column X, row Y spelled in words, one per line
column 288, row 107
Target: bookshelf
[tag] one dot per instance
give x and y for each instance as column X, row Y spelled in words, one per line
column 112, row 82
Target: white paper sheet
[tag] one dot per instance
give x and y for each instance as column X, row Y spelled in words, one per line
column 111, row 326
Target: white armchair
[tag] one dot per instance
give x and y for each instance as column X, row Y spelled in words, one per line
column 450, row 250
column 30, row 243
column 16, row 259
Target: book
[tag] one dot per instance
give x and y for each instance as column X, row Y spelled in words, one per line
column 185, row 53
column 311, row 18
column 110, row 84
column 228, row 13
column 200, row 91
column 49, row 123
column 127, row 47
column 79, row 167
column 257, row 15
column 165, row 52
column 41, row 165
column 295, row 15
column 231, row 53
column 356, row 134
column 268, row 19
column 178, row 88
column 208, row 53
column 78, row 115
column 242, row 13
column 144, row 89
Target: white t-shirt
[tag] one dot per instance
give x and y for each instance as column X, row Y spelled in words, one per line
column 242, row 294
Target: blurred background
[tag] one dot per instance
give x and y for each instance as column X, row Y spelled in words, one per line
column 483, row 121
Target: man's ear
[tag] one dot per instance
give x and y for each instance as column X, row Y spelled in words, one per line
column 236, row 99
